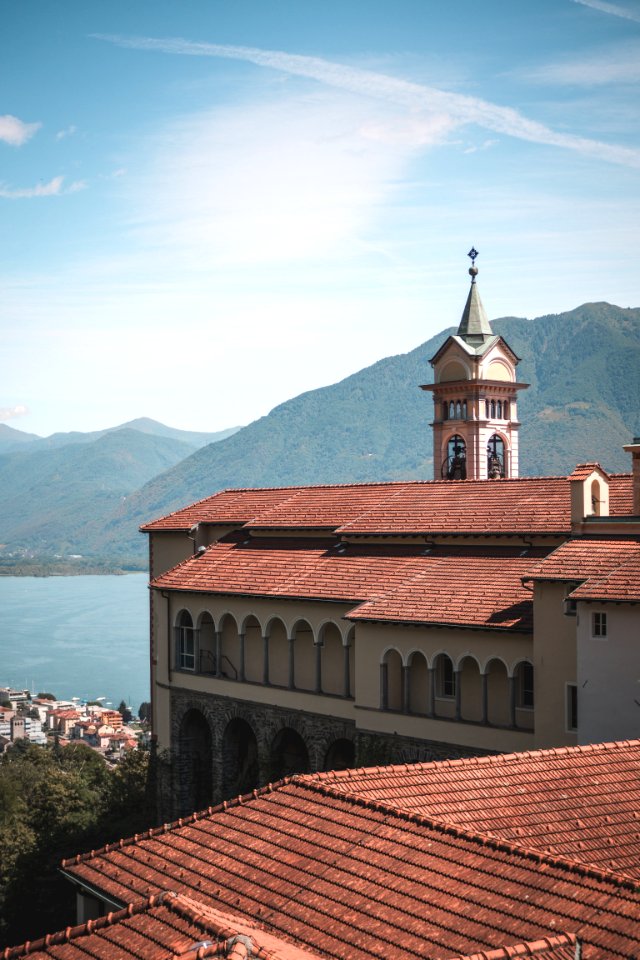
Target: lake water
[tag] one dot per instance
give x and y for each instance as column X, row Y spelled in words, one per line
column 84, row 637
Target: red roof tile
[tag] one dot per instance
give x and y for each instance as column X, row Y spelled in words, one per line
column 357, row 879
column 526, row 505
column 620, row 585
column 562, row 947
column 584, row 470
column 584, row 557
column 582, row 803
column 400, row 584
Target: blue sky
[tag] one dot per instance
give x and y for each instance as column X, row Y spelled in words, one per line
column 209, row 206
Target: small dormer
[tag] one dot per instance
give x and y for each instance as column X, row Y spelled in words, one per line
column 589, row 492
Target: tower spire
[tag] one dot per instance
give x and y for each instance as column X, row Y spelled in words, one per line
column 474, row 326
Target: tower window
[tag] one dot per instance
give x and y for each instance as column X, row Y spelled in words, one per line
column 487, row 410
column 505, row 409
column 499, row 409
column 455, row 463
column 445, row 410
column 452, row 410
column 458, row 410
column 493, row 409
column 464, row 409
column 495, row 458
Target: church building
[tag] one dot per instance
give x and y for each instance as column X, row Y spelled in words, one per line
column 303, row 629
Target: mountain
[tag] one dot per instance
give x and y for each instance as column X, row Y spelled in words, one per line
column 12, row 439
column 583, row 403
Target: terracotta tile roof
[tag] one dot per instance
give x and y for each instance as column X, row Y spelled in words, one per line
column 351, row 878
column 164, row 926
column 619, row 585
column 581, row 803
column 526, row 505
column 584, row 470
column 562, row 947
column 400, row 584
column 584, row 557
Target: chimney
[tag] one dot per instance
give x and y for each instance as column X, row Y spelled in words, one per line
column 634, row 450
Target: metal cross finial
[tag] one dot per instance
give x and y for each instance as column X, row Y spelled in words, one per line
column 473, row 253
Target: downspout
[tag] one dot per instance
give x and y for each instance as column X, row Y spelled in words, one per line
column 166, row 596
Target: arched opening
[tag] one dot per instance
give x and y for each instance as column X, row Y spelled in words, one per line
column 445, row 410
column 418, row 684
column 458, row 410
column 195, row 767
column 332, row 660
column 207, row 645
column 505, row 410
column 230, row 654
column 493, row 409
column 464, row 409
column 499, row 409
column 391, row 681
column 495, row 458
column 341, row 755
column 595, row 498
column 278, row 653
column 253, row 651
column 455, row 463
column 452, row 410
column 498, row 711
column 185, row 642
column 470, row 690
column 525, row 695
column 240, row 759
column 305, row 656
column 289, row 754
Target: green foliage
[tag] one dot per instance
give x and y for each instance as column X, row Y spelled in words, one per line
column 124, row 712
column 55, row 802
column 47, row 696
column 144, row 712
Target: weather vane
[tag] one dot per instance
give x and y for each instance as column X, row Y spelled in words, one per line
column 473, row 253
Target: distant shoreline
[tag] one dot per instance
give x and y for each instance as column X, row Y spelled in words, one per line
column 25, row 568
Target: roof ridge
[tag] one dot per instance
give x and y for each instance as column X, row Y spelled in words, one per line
column 473, row 760
column 484, row 840
column 528, row 948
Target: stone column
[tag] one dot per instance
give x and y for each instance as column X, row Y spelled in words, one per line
column 512, row 702
column 485, row 697
column 265, row 660
column 318, row 683
column 384, row 687
column 457, row 674
column 432, row 692
column 241, row 672
column 346, row 689
column 292, row 663
column 405, row 689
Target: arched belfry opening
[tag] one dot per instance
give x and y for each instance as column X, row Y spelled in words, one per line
column 475, row 423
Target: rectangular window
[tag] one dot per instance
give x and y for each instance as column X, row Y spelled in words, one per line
column 185, row 648
column 572, row 707
column 525, row 686
column 599, row 625
column 447, row 678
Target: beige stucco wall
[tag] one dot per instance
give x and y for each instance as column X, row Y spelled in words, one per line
column 608, row 674
column 554, row 662
column 167, row 550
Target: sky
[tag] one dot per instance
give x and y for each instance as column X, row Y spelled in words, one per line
column 211, row 206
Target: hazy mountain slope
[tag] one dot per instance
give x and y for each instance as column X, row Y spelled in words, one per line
column 12, row 439
column 143, row 425
column 583, row 403
column 47, row 497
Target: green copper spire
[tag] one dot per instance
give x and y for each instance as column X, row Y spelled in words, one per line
column 474, row 327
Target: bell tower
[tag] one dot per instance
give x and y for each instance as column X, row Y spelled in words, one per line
column 475, row 421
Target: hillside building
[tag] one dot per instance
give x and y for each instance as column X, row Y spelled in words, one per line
column 310, row 628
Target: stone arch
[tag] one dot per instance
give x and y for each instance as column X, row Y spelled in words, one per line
column 240, row 758
column 470, row 682
column 453, row 370
column 330, row 637
column 445, row 685
column 289, row 754
column 498, row 712
column 391, row 680
column 500, row 370
column 184, row 641
column 497, row 456
column 253, row 649
column 206, row 662
column 418, row 682
column 195, row 761
column 230, row 652
column 276, row 631
column 524, row 677
column 341, row 755
column 595, row 497
column 304, row 655
column 454, row 458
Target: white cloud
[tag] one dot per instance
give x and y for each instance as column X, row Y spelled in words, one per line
column 16, row 132
column 618, row 64
column 8, row 413
column 54, row 188
column 457, row 108
column 67, row 132
column 613, row 8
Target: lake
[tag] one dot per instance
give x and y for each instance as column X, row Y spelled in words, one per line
column 84, row 637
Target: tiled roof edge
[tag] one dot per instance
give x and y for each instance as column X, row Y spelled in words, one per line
column 523, row 949
column 85, row 929
column 483, row 840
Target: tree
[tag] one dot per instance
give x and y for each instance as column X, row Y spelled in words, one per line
column 124, row 712
column 144, row 712
column 47, row 696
